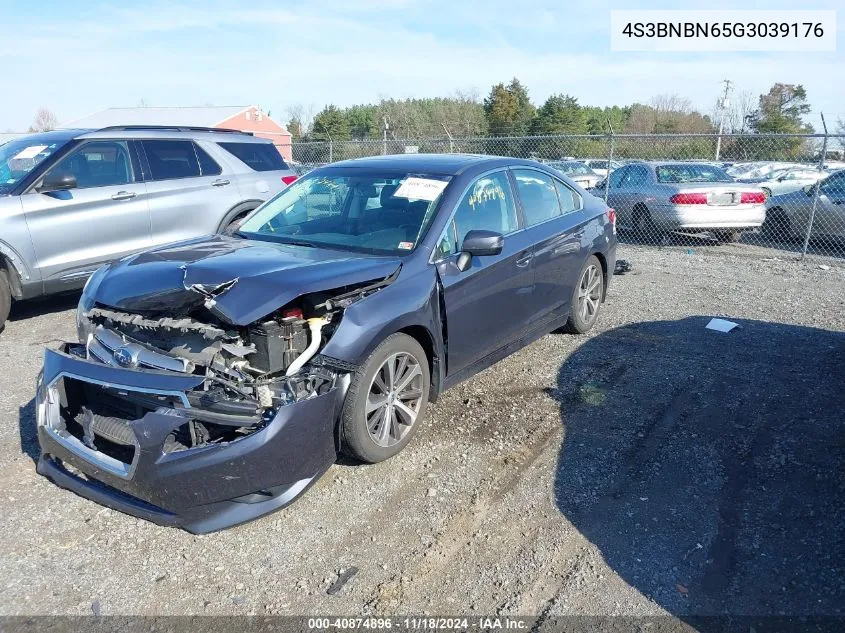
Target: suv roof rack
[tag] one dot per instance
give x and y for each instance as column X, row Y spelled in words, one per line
column 172, row 128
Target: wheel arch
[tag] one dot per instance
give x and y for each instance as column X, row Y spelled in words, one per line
column 425, row 338
column 604, row 270
column 242, row 208
column 8, row 263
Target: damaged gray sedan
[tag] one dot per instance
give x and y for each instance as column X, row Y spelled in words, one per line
column 216, row 379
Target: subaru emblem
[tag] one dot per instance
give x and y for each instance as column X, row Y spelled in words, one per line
column 124, row 357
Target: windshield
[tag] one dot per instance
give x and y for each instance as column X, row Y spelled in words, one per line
column 691, row 173
column 21, row 156
column 380, row 213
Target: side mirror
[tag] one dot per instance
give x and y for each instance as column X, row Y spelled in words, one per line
column 478, row 243
column 57, row 181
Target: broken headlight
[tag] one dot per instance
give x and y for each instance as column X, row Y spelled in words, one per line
column 84, row 326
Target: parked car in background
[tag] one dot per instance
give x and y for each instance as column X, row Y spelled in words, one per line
column 577, row 171
column 657, row 197
column 71, row 200
column 600, row 165
column 788, row 215
column 216, row 379
column 785, row 180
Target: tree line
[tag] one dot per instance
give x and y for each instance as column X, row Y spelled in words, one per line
column 508, row 110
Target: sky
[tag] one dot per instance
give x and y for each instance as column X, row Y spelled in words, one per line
column 76, row 58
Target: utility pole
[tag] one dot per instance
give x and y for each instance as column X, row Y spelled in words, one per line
column 451, row 141
column 384, row 141
column 723, row 104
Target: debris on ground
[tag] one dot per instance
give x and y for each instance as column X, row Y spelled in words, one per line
column 343, row 577
column 622, row 266
column 721, row 325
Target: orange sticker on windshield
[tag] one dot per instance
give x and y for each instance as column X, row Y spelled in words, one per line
column 406, row 246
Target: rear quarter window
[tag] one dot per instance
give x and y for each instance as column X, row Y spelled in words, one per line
column 258, row 156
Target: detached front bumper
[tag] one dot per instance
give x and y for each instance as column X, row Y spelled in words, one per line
column 200, row 489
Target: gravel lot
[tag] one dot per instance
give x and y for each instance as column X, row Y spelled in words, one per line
column 651, row 467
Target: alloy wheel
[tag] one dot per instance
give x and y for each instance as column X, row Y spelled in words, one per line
column 394, row 399
column 589, row 294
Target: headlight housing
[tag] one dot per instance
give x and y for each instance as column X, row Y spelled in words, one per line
column 84, row 327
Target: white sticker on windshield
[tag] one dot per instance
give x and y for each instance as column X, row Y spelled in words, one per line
column 30, row 152
column 420, row 188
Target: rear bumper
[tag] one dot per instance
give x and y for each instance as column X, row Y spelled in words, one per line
column 704, row 217
column 203, row 489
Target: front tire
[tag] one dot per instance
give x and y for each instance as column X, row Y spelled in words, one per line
column 5, row 298
column 587, row 298
column 386, row 401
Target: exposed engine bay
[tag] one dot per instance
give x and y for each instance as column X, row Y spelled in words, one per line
column 249, row 372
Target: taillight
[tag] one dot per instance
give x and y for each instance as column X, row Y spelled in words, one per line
column 752, row 197
column 689, row 198
column 288, row 179
column 611, row 217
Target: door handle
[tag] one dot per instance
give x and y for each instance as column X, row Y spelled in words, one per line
column 524, row 260
column 220, row 182
column 124, row 195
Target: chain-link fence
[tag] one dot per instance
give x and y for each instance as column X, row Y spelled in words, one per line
column 776, row 194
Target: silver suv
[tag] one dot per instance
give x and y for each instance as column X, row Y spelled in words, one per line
column 71, row 200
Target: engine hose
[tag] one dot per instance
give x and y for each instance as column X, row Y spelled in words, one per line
column 315, row 325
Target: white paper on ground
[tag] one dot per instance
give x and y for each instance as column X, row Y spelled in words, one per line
column 420, row 188
column 720, row 325
column 30, row 152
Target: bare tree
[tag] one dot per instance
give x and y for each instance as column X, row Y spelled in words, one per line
column 303, row 115
column 671, row 103
column 44, row 121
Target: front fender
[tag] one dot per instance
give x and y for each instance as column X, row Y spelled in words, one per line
column 412, row 301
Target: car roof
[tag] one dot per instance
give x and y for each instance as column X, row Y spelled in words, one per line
column 47, row 137
column 447, row 164
column 158, row 132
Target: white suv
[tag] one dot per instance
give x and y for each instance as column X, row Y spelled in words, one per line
column 71, row 200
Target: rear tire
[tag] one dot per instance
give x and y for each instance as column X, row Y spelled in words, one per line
column 728, row 237
column 777, row 225
column 234, row 223
column 644, row 227
column 586, row 298
column 381, row 414
column 5, row 298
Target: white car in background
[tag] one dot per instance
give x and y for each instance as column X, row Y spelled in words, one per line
column 599, row 165
column 787, row 180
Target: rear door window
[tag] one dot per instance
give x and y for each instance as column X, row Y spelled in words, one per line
column 171, row 159
column 569, row 200
column 537, row 193
column 258, row 156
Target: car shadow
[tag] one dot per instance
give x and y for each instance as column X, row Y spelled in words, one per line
column 45, row 305
column 27, row 431
column 707, row 467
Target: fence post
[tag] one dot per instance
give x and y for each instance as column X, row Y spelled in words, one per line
column 609, row 161
column 816, row 188
column 331, row 153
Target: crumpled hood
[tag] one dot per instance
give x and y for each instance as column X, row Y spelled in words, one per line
column 239, row 280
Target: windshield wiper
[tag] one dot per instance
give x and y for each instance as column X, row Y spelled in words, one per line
column 306, row 243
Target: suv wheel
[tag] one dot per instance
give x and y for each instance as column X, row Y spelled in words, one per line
column 386, row 400
column 5, row 298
